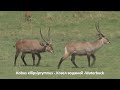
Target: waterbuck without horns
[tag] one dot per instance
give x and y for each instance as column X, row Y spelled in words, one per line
column 84, row 49
column 28, row 16
column 34, row 47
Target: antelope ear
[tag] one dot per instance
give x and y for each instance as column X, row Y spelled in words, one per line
column 50, row 43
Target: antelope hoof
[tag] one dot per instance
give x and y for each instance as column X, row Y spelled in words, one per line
column 75, row 67
column 37, row 65
column 25, row 64
column 58, row 67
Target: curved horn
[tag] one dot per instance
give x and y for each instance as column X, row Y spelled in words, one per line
column 42, row 36
column 49, row 34
column 98, row 29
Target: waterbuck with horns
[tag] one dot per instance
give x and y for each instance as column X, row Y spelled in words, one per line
column 84, row 49
column 34, row 47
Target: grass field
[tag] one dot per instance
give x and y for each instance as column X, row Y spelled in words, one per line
column 66, row 26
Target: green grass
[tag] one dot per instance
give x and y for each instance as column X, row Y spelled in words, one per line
column 66, row 26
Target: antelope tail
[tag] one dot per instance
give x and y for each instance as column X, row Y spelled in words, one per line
column 66, row 52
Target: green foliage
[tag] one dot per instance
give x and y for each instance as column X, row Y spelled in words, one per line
column 66, row 26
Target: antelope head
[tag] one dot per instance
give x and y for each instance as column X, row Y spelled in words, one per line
column 101, row 36
column 47, row 44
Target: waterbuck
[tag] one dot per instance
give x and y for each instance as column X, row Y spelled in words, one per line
column 84, row 49
column 28, row 16
column 34, row 47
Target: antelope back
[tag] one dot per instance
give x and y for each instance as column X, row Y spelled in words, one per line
column 23, row 45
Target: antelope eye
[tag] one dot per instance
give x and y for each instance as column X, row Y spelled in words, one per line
column 47, row 44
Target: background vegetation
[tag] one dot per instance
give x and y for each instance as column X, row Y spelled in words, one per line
column 66, row 26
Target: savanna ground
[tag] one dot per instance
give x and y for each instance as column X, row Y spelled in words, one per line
column 65, row 27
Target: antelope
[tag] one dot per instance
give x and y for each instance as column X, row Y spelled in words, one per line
column 28, row 16
column 84, row 49
column 34, row 47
